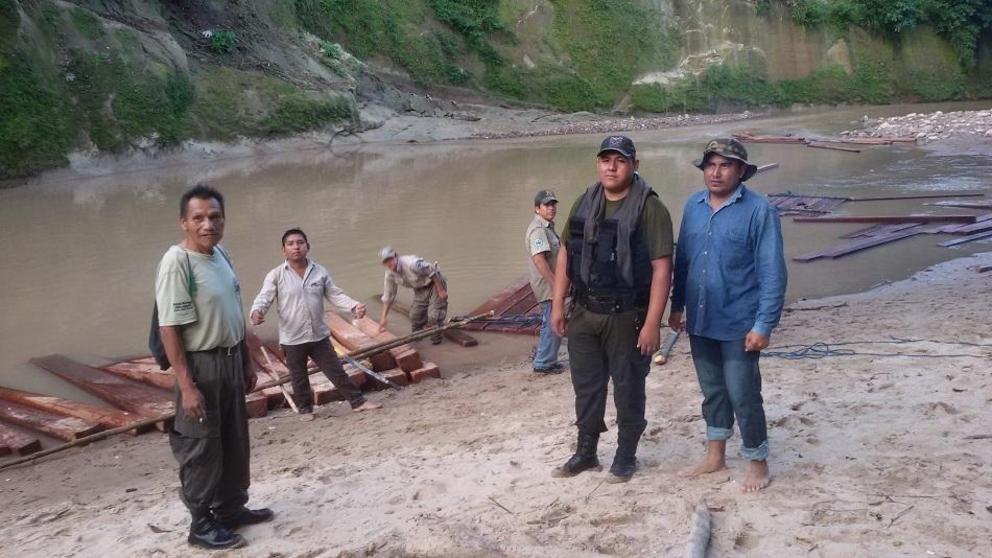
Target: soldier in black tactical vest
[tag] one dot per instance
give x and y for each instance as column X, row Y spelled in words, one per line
column 617, row 262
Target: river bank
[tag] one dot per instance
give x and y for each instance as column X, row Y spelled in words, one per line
column 871, row 456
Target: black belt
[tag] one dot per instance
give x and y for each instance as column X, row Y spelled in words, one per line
column 224, row 351
column 612, row 303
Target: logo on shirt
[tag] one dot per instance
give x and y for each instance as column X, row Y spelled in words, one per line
column 538, row 242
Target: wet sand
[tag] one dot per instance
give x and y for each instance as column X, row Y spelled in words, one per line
column 871, row 456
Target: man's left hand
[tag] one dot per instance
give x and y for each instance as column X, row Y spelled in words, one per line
column 358, row 311
column 649, row 339
column 755, row 342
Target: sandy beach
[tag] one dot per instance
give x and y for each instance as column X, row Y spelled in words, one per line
column 871, row 456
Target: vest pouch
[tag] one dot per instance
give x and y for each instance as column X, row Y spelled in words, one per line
column 604, row 272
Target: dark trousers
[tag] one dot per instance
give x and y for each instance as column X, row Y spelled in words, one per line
column 602, row 347
column 731, row 384
column 213, row 455
column 323, row 354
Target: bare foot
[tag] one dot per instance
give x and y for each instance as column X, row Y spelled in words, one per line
column 716, row 451
column 757, row 476
column 306, row 417
column 708, row 465
column 367, row 406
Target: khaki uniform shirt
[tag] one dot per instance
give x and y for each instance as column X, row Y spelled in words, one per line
column 541, row 238
column 300, row 301
column 413, row 272
column 203, row 295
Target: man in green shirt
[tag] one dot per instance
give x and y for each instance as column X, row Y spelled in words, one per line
column 203, row 328
column 617, row 261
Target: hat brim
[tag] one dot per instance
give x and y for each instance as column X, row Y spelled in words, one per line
column 615, row 150
column 748, row 173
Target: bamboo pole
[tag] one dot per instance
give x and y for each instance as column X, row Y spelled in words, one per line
column 169, row 416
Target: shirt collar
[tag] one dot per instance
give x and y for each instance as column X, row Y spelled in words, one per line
column 285, row 265
column 542, row 221
column 734, row 197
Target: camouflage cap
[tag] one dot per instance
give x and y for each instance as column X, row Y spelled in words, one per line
column 731, row 149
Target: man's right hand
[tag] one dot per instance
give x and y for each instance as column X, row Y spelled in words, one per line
column 257, row 318
column 558, row 322
column 192, row 402
column 675, row 321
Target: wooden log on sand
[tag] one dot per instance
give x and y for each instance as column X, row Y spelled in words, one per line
column 58, row 426
column 456, row 335
column 147, row 371
column 405, row 355
column 143, row 400
column 144, row 370
column 105, row 416
column 14, row 441
column 353, row 339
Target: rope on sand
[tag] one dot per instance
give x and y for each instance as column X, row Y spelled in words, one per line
column 820, row 350
column 699, row 533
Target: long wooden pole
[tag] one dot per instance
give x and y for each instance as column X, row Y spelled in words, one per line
column 169, row 416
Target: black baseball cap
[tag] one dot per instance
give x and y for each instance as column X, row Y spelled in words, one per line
column 621, row 144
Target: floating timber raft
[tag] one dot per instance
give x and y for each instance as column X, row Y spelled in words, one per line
column 515, row 309
column 137, row 392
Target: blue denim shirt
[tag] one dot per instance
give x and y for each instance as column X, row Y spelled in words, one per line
column 729, row 266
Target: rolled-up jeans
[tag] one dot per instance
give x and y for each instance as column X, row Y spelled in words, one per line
column 548, row 343
column 731, row 384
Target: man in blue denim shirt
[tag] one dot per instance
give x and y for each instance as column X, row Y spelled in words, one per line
column 730, row 278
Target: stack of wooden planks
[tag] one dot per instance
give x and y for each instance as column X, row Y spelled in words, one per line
column 515, row 308
column 890, row 228
column 402, row 365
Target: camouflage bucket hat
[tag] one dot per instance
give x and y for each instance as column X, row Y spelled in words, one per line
column 731, row 149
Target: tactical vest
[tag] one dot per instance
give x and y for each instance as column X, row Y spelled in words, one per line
column 606, row 292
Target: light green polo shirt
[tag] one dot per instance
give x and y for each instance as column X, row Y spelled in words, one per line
column 541, row 239
column 211, row 314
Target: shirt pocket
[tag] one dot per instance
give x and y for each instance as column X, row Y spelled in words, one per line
column 736, row 248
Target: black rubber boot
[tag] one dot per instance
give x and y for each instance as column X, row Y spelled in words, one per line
column 207, row 533
column 625, row 460
column 584, row 458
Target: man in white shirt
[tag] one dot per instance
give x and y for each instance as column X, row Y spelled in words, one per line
column 299, row 287
column 430, row 290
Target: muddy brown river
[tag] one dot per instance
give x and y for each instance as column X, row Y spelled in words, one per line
column 80, row 251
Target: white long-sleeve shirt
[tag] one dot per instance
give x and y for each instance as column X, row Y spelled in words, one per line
column 300, row 301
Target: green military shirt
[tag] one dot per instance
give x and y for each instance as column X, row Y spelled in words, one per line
column 655, row 224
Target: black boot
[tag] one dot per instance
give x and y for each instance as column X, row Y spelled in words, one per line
column 584, row 458
column 625, row 460
column 207, row 533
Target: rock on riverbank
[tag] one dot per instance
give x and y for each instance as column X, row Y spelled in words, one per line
column 929, row 127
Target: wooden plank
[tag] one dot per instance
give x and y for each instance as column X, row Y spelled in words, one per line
column 104, row 416
column 964, row 204
column 58, row 426
column 144, row 370
column 495, row 300
column 353, row 339
column 876, row 230
column 887, row 219
column 969, row 238
column 768, row 167
column 273, row 395
column 856, row 246
column 138, row 398
column 17, row 441
column 406, row 356
column 981, row 226
column 918, row 197
column 456, row 335
column 819, row 145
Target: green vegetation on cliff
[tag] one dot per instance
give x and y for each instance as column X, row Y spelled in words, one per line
column 960, row 22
